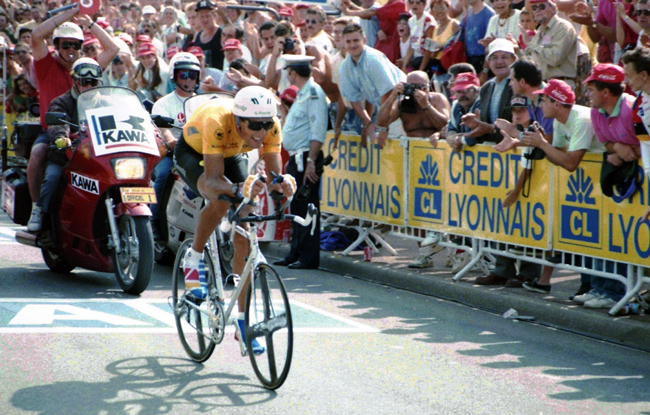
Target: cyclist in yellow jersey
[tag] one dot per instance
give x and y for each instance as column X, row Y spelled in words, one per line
column 209, row 158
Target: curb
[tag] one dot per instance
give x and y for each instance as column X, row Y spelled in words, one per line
column 621, row 330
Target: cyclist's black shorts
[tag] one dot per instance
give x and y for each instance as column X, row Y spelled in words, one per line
column 187, row 162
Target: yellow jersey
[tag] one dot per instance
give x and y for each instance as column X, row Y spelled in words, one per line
column 212, row 130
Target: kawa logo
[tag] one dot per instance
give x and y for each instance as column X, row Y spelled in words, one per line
column 580, row 219
column 110, row 134
column 84, row 183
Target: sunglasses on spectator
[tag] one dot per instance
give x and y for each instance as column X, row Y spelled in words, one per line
column 540, row 7
column 117, row 61
column 21, row 52
column 415, row 2
column 191, row 75
column 89, row 49
column 88, row 81
column 311, row 21
column 37, row 3
column 642, row 12
column 67, row 45
column 259, row 125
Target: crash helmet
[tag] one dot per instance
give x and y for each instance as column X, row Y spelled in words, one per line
column 86, row 68
column 68, row 30
column 254, row 102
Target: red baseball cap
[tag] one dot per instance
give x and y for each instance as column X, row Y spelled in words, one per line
column 171, row 51
column 196, row 51
column 290, row 93
column 606, row 72
column 146, row 49
column 559, row 91
column 102, row 22
column 143, row 38
column 540, row 1
column 285, row 11
column 232, row 44
column 90, row 40
column 465, row 80
column 302, row 6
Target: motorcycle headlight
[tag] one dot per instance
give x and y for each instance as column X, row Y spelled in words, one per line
column 129, row 168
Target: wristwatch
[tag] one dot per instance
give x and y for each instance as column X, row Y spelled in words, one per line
column 310, row 160
column 594, row 25
column 381, row 129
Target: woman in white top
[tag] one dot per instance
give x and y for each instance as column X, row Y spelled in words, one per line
column 504, row 24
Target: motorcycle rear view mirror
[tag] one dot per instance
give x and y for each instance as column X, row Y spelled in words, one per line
column 162, row 122
column 57, row 118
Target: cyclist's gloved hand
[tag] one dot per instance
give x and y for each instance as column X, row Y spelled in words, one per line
column 288, row 185
column 252, row 187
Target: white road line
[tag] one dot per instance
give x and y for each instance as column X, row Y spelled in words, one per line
column 360, row 326
column 7, row 236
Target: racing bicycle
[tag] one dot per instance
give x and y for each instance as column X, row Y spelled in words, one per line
column 201, row 324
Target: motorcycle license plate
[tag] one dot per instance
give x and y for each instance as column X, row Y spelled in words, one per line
column 138, row 195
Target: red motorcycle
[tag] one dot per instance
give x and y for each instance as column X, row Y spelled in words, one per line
column 99, row 217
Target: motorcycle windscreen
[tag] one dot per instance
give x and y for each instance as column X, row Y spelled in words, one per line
column 117, row 121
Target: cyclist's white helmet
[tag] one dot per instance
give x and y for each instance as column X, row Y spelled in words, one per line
column 254, row 102
column 68, row 30
column 183, row 60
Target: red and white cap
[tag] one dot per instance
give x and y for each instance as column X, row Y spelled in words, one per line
column 290, row 93
column 606, row 72
column 171, row 51
column 143, row 38
column 232, row 44
column 559, row 91
column 465, row 80
column 196, row 51
column 146, row 49
column 285, row 11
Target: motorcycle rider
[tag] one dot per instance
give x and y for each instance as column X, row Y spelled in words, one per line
column 52, row 68
column 184, row 73
column 86, row 74
column 208, row 158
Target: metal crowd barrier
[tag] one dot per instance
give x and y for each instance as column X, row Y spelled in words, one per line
column 408, row 188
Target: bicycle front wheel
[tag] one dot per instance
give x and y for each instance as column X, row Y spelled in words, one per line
column 193, row 325
column 268, row 319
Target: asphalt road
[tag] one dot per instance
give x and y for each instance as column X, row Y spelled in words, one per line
column 74, row 344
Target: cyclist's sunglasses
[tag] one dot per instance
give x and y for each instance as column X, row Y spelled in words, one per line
column 88, row 81
column 67, row 45
column 258, row 125
column 191, row 75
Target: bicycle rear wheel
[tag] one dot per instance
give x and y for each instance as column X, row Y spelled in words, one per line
column 268, row 319
column 197, row 335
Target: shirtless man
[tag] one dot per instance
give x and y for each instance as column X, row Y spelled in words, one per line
column 425, row 116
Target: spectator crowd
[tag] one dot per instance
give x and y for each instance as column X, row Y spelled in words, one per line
column 561, row 77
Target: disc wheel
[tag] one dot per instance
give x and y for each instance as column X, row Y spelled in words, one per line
column 199, row 334
column 268, row 319
column 55, row 263
column 134, row 261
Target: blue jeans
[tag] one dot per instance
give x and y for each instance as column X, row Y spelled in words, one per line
column 161, row 171
column 53, row 172
column 610, row 288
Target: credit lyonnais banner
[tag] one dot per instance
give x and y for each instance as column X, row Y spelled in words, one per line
column 364, row 182
column 464, row 192
column 589, row 222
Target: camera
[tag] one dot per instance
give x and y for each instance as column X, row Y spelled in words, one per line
column 408, row 104
column 535, row 153
column 289, row 44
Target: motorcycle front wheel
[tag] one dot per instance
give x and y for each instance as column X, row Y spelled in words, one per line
column 134, row 261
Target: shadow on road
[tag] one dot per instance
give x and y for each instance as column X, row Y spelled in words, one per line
column 149, row 385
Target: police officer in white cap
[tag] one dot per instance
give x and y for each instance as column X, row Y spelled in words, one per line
column 303, row 136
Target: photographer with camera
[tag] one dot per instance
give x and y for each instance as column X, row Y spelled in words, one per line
column 423, row 113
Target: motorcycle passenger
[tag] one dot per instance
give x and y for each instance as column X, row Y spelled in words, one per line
column 52, row 68
column 184, row 74
column 209, row 158
column 86, row 74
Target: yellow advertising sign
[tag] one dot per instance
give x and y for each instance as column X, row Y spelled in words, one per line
column 464, row 193
column 364, row 182
column 590, row 223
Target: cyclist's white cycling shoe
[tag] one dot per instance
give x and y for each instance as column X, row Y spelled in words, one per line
column 258, row 349
column 195, row 281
